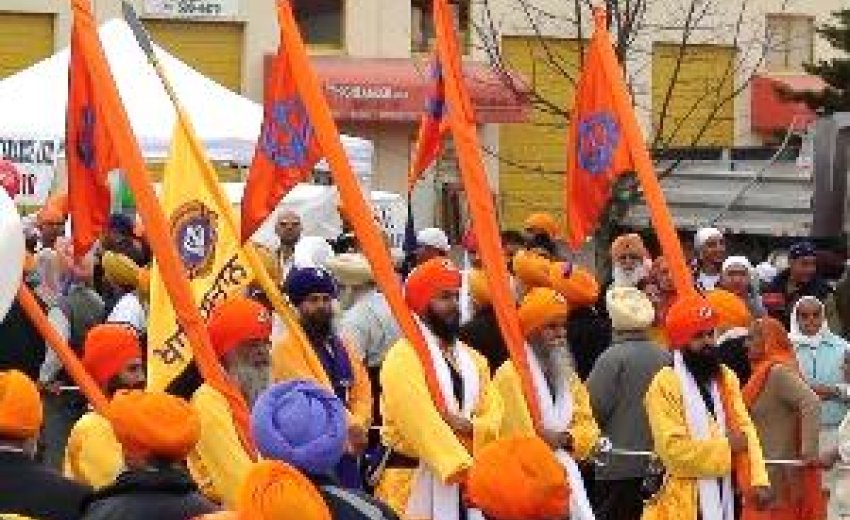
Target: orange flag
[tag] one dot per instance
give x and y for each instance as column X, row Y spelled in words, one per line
column 606, row 140
column 109, row 108
column 90, row 153
column 356, row 209
column 462, row 122
column 432, row 128
column 286, row 151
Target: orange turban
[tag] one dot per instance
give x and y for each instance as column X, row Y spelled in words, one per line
column 54, row 211
column 688, row 317
column 427, row 280
column 107, row 350
column 21, row 411
column 518, row 478
column 544, row 222
column 479, row 291
column 629, row 243
column 236, row 320
column 540, row 307
column 731, row 310
column 154, row 424
column 577, row 284
column 531, row 269
column 274, row 490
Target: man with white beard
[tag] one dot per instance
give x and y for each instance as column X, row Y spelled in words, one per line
column 567, row 423
column 239, row 331
column 629, row 260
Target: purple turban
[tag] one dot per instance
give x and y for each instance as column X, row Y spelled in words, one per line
column 304, row 281
column 302, row 424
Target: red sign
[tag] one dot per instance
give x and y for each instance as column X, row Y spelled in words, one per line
column 10, row 178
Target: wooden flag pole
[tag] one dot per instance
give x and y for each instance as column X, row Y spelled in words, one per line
column 279, row 302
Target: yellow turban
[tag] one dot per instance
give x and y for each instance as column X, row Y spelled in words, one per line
column 541, row 307
column 479, row 291
column 154, row 424
column 545, row 223
column 120, row 269
column 731, row 310
column 21, row 412
column 531, row 269
column 577, row 284
column 518, row 478
column 274, row 490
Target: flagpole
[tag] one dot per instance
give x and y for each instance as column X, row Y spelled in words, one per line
column 171, row 267
column 69, row 359
column 280, row 304
column 659, row 212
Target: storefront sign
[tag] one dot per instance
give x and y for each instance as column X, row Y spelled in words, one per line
column 366, row 92
column 192, row 8
column 27, row 168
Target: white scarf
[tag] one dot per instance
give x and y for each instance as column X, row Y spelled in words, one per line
column 557, row 414
column 430, row 497
column 715, row 498
column 796, row 333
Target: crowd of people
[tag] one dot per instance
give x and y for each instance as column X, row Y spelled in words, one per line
column 729, row 403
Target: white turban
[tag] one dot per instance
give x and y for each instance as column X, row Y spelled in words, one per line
column 737, row 261
column 704, row 235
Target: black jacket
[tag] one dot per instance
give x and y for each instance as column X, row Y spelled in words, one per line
column 483, row 334
column 30, row 489
column 732, row 352
column 589, row 334
column 345, row 504
column 163, row 494
column 779, row 301
column 23, row 347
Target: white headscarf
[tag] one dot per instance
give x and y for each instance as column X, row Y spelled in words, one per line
column 797, row 336
column 704, row 235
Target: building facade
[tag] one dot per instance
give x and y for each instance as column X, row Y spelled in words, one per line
column 702, row 74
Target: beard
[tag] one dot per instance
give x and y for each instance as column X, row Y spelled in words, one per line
column 318, row 326
column 446, row 329
column 703, row 365
column 556, row 362
column 251, row 380
column 624, row 278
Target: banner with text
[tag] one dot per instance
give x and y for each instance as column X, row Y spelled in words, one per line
column 27, row 168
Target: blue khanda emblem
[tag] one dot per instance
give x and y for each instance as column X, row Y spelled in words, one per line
column 194, row 231
column 598, row 137
column 85, row 137
column 286, row 135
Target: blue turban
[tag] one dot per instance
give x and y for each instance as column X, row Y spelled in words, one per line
column 302, row 424
column 121, row 223
column 801, row 250
column 304, row 281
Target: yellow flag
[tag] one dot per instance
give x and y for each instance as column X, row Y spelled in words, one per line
column 207, row 246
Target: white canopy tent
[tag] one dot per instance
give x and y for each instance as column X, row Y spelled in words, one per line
column 33, row 103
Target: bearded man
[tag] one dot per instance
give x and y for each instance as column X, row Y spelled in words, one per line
column 433, row 449
column 567, row 423
column 112, row 354
column 239, row 330
column 313, row 290
column 700, row 426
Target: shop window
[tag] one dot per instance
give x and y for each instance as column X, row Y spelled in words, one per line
column 790, row 40
column 321, row 22
column 422, row 24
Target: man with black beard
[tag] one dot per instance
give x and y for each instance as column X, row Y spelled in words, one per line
column 700, row 426
column 431, row 445
column 313, row 290
column 239, row 330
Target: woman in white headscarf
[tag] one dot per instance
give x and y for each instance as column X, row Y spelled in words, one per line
column 821, row 355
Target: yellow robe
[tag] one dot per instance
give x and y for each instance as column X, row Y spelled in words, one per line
column 414, row 427
column 218, row 463
column 517, row 418
column 93, row 455
column 687, row 459
column 288, row 363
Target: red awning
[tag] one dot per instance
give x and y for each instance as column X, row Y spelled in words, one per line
column 770, row 112
column 388, row 89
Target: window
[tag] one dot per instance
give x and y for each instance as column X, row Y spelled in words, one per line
column 321, row 22
column 790, row 42
column 422, row 24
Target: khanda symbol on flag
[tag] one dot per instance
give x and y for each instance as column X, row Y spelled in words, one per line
column 432, row 127
column 287, row 148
